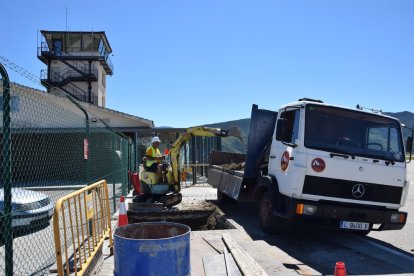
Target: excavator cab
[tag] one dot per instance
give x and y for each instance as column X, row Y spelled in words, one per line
column 153, row 189
column 155, row 180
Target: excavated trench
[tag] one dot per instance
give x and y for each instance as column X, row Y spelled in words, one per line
column 197, row 215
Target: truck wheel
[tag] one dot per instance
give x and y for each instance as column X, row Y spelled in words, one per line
column 266, row 214
column 268, row 222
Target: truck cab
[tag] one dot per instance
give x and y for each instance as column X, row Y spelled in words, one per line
column 312, row 161
column 325, row 156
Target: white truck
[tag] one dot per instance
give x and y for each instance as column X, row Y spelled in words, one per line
column 311, row 161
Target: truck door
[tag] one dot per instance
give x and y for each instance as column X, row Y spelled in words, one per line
column 287, row 160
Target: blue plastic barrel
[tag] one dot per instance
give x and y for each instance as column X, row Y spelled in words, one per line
column 152, row 248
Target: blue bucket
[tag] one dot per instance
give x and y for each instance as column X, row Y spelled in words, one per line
column 152, row 248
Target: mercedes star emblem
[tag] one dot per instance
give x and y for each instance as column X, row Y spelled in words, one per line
column 358, row 190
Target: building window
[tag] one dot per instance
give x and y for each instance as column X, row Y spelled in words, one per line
column 73, row 42
column 103, row 101
column 88, row 45
column 57, row 47
column 14, row 104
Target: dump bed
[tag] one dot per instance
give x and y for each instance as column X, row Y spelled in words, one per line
column 228, row 170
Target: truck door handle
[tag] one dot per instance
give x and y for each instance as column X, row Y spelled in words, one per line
column 272, row 156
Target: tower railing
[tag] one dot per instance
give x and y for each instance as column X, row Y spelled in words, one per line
column 75, row 53
column 56, row 80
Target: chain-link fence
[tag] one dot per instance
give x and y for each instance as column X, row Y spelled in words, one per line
column 50, row 148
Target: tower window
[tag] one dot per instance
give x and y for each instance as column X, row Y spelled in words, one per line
column 57, row 47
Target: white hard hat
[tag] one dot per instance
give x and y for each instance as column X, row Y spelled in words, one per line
column 155, row 139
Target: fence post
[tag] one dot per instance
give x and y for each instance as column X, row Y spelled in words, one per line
column 218, row 140
column 85, row 148
column 129, row 162
column 87, row 136
column 7, row 174
column 193, row 157
column 126, row 180
column 112, row 170
column 134, row 141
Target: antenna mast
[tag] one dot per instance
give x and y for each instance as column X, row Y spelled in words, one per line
column 66, row 18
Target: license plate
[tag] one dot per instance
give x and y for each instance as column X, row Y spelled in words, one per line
column 354, row 225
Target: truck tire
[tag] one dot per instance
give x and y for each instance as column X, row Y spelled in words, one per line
column 268, row 222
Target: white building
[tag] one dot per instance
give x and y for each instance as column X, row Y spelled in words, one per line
column 27, row 104
column 77, row 62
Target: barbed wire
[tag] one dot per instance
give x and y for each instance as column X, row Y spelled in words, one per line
column 20, row 70
column 35, row 79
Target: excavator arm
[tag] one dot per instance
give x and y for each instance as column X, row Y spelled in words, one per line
column 190, row 132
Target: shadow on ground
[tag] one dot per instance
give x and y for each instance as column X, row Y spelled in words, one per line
column 320, row 248
column 26, row 230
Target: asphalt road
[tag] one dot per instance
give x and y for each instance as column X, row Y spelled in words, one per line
column 34, row 252
column 379, row 253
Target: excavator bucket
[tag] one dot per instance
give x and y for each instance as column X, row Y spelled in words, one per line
column 235, row 132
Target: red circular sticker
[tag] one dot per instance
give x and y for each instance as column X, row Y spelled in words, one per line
column 284, row 161
column 318, row 164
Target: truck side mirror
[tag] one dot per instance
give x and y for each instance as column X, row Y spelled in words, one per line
column 409, row 145
column 280, row 129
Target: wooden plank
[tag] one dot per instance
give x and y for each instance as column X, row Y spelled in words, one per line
column 199, row 248
column 247, row 265
column 231, row 266
column 216, row 243
column 219, row 265
column 214, row 265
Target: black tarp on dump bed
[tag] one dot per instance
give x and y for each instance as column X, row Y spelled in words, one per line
column 229, row 181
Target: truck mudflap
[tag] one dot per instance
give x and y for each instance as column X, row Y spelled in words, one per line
column 333, row 214
column 228, row 182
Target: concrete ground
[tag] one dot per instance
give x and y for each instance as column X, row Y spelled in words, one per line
column 387, row 252
column 270, row 258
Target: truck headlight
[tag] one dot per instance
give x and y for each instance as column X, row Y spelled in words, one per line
column 305, row 209
column 398, row 217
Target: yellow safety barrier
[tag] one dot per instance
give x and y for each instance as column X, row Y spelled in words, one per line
column 82, row 220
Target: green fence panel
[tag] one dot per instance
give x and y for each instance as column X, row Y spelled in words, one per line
column 54, row 151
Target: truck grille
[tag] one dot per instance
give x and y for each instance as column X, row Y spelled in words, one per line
column 339, row 188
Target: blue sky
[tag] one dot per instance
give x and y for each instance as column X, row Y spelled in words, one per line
column 184, row 63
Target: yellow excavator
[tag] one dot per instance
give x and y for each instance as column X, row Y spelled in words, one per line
column 154, row 190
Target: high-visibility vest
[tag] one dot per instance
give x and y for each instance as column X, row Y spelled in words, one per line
column 155, row 152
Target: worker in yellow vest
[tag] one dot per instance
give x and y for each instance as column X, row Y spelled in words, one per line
column 154, row 157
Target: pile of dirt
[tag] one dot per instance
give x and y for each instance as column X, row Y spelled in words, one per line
column 234, row 166
column 196, row 205
column 198, row 215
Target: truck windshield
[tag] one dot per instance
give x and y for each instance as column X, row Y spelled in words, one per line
column 353, row 133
